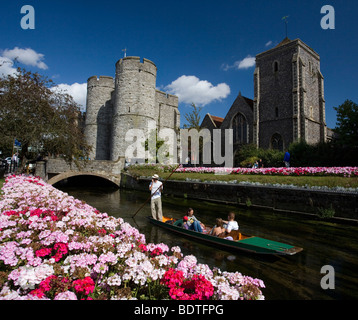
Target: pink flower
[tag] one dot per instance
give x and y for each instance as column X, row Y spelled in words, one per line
column 43, row 252
column 67, row 295
column 62, row 249
column 196, row 288
column 85, row 285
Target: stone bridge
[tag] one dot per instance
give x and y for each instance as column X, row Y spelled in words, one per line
column 56, row 170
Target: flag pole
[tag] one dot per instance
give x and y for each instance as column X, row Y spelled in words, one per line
column 285, row 18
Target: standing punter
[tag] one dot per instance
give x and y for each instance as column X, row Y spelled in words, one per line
column 156, row 188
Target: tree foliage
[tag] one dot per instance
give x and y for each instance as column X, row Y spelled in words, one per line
column 40, row 117
column 347, row 124
column 193, row 118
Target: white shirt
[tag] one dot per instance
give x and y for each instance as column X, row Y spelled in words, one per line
column 155, row 192
column 232, row 225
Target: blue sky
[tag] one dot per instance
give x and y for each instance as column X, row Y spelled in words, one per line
column 196, row 45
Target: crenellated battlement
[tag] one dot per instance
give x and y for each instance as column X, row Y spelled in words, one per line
column 102, row 81
column 135, row 63
column 166, row 98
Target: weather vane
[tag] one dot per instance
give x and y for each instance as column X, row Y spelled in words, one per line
column 285, row 18
column 125, row 52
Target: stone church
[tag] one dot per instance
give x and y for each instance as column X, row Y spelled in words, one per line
column 288, row 103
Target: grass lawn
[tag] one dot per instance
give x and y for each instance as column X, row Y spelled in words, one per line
column 329, row 181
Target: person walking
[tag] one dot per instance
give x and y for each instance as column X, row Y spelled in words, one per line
column 286, row 159
column 156, row 188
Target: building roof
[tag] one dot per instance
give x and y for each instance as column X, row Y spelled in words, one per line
column 217, row 120
column 283, row 42
column 287, row 41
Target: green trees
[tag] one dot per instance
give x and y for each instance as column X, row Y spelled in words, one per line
column 40, row 117
column 248, row 154
column 193, row 118
column 347, row 124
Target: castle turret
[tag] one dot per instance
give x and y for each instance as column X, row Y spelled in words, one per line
column 134, row 101
column 98, row 116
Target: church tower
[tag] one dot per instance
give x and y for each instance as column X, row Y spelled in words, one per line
column 289, row 100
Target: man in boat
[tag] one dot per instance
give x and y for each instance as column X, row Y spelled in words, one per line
column 156, row 188
column 193, row 223
column 231, row 224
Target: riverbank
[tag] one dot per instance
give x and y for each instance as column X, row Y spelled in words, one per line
column 329, row 204
column 325, row 181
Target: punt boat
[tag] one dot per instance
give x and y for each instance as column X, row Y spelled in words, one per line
column 241, row 241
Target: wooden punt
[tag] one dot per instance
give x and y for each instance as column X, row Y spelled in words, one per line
column 240, row 241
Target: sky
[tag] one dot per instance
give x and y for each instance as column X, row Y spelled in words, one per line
column 204, row 50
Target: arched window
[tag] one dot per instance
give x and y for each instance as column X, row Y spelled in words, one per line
column 277, row 142
column 240, row 129
column 275, row 66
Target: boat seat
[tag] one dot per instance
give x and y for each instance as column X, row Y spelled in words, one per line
column 235, row 234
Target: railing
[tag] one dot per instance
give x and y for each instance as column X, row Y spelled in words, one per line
column 7, row 167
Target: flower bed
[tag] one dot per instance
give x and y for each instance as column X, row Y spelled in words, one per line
column 53, row 246
column 299, row 171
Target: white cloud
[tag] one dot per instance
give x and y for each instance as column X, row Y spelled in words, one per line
column 78, row 91
column 191, row 89
column 6, row 67
column 269, row 43
column 28, row 57
column 246, row 63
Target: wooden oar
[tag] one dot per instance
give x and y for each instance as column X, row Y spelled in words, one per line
column 150, row 197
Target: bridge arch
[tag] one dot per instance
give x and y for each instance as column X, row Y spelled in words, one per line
column 114, row 179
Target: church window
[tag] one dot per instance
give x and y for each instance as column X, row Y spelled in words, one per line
column 240, row 129
column 277, row 142
column 276, row 112
column 275, row 67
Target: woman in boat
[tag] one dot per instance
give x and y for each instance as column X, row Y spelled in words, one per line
column 193, row 222
column 218, row 228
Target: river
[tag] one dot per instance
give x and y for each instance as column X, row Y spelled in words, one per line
column 296, row 277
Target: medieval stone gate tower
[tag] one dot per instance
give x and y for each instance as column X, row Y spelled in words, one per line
column 130, row 101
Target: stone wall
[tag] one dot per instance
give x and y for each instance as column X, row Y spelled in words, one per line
column 99, row 116
column 297, row 200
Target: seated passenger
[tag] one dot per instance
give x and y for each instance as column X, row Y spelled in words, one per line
column 193, row 222
column 231, row 224
column 218, row 228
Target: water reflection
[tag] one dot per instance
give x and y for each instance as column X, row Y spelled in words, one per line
column 291, row 277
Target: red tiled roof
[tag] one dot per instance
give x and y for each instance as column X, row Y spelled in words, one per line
column 217, row 120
